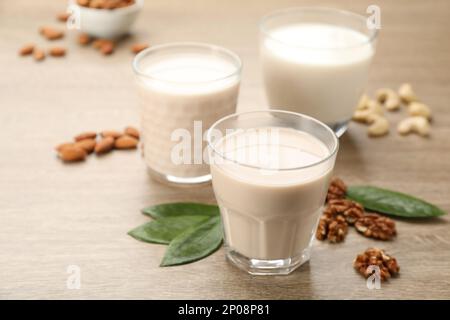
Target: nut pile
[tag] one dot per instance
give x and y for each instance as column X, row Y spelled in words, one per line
column 372, row 112
column 105, row 4
column 39, row 54
column 86, row 143
column 104, row 46
column 376, row 257
column 340, row 213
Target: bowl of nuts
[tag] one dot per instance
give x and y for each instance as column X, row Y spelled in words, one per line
column 105, row 18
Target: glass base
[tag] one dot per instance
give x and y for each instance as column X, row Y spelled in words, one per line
column 339, row 127
column 179, row 181
column 267, row 267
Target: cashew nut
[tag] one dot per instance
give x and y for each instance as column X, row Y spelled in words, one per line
column 363, row 112
column 406, row 93
column 379, row 125
column 414, row 124
column 363, row 101
column 419, row 109
column 388, row 98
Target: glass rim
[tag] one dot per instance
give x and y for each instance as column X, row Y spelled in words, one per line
column 277, row 111
column 286, row 11
column 186, row 44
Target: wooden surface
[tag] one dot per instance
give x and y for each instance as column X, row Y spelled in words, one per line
column 54, row 215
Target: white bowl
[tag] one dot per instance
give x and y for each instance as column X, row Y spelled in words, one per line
column 104, row 23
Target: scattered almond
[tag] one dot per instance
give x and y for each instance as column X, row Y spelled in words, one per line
column 97, row 44
column 26, row 50
column 105, row 145
column 107, row 47
column 84, row 39
column 133, row 132
column 126, row 142
column 63, row 16
column 38, row 54
column 86, row 135
column 111, row 133
column 59, row 147
column 87, row 145
column 138, row 47
column 51, row 33
column 57, row 52
column 72, row 154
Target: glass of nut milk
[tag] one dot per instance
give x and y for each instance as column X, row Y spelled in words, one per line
column 184, row 88
column 316, row 61
column 270, row 173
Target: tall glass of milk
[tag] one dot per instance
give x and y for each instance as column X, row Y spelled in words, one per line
column 316, row 61
column 184, row 88
column 270, row 173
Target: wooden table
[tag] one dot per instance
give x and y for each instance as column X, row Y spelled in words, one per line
column 54, row 215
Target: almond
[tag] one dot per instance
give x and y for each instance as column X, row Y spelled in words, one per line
column 51, row 33
column 107, row 48
column 83, row 3
column 98, row 43
column 84, row 39
column 86, row 135
column 131, row 131
column 59, row 147
column 26, row 50
column 72, row 154
column 87, row 145
column 38, row 54
column 111, row 133
column 96, row 4
column 138, row 47
column 63, row 16
column 105, row 145
column 57, row 52
column 126, row 142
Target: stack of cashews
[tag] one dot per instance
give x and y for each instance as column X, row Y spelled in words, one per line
column 372, row 112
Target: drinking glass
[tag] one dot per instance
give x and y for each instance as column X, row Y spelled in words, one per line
column 184, row 88
column 316, row 61
column 270, row 173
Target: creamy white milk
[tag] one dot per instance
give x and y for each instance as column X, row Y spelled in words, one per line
column 316, row 69
column 181, row 89
column 270, row 214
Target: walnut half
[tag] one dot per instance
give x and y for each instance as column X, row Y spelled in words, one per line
column 374, row 256
column 373, row 225
column 337, row 189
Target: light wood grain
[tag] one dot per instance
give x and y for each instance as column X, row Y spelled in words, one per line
column 54, row 215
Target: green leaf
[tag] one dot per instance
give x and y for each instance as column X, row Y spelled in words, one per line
column 392, row 202
column 165, row 230
column 181, row 209
column 195, row 243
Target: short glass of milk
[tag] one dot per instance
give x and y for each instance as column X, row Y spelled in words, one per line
column 316, row 61
column 184, row 88
column 270, row 173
